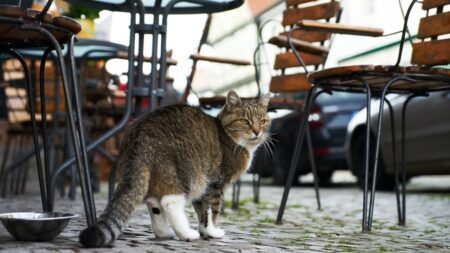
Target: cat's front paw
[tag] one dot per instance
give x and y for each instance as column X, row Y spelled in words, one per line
column 165, row 234
column 190, row 235
column 215, row 232
column 212, row 232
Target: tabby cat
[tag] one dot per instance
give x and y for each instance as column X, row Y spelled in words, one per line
column 179, row 153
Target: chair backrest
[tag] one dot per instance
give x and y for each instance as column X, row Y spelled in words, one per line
column 309, row 44
column 433, row 50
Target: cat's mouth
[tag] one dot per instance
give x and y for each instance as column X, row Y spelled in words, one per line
column 254, row 139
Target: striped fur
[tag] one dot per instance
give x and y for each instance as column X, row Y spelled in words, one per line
column 179, row 153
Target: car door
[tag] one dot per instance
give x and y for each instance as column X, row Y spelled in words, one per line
column 427, row 134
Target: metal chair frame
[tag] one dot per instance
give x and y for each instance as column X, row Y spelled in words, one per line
column 74, row 115
column 368, row 204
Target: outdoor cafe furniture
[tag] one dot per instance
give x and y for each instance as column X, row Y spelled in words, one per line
column 29, row 29
column 417, row 80
column 154, row 89
column 88, row 50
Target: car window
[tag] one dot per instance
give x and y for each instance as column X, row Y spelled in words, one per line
column 340, row 97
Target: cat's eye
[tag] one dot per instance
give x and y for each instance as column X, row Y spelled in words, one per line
column 243, row 121
column 263, row 122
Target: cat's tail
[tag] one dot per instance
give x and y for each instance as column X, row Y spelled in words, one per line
column 130, row 192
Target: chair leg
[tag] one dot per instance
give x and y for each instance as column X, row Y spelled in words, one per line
column 402, row 222
column 31, row 108
column 44, row 123
column 394, row 160
column 21, row 169
column 12, row 172
column 367, row 154
column 312, row 162
column 80, row 155
column 235, row 195
column 256, row 185
column 25, row 174
column 85, row 169
column 296, row 154
column 377, row 147
column 5, row 156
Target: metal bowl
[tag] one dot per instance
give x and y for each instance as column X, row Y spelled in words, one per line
column 30, row 226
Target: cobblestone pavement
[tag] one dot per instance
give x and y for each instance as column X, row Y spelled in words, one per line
column 336, row 228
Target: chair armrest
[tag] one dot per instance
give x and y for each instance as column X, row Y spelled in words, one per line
column 340, row 28
column 199, row 57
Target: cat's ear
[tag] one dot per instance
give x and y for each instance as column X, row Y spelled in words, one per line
column 264, row 100
column 233, row 99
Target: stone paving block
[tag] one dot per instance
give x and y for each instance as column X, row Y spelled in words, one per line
column 335, row 228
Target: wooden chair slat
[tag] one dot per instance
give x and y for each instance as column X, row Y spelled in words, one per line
column 313, row 77
column 33, row 14
column 290, row 83
column 316, row 12
column 67, row 23
column 309, row 36
column 199, row 57
column 288, row 60
column 429, row 4
column 434, row 25
column 290, row 3
column 10, row 11
column 434, row 52
column 304, row 46
column 339, row 28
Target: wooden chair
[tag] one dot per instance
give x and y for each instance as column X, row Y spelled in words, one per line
column 311, row 46
column 423, row 77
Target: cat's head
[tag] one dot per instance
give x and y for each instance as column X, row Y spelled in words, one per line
column 246, row 121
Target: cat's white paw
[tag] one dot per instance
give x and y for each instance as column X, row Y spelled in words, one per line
column 166, row 234
column 215, row 232
column 190, row 235
column 211, row 231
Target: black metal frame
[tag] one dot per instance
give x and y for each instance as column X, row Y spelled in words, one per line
column 290, row 178
column 158, row 29
column 302, row 130
column 368, row 204
column 76, row 131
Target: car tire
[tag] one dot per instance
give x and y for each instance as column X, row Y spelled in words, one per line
column 324, row 177
column 385, row 182
column 280, row 176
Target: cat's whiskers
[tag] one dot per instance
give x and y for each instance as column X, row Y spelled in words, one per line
column 242, row 145
column 268, row 144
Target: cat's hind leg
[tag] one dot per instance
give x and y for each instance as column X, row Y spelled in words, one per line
column 207, row 218
column 160, row 224
column 173, row 206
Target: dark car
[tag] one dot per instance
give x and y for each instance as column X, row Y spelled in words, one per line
column 427, row 138
column 328, row 121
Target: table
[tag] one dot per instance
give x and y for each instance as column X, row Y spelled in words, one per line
column 158, row 29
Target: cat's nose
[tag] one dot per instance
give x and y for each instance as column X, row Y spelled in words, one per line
column 256, row 132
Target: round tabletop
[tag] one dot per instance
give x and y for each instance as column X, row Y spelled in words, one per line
column 181, row 7
column 89, row 49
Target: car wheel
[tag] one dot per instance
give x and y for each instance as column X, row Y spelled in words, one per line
column 324, row 177
column 280, row 176
column 385, row 182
